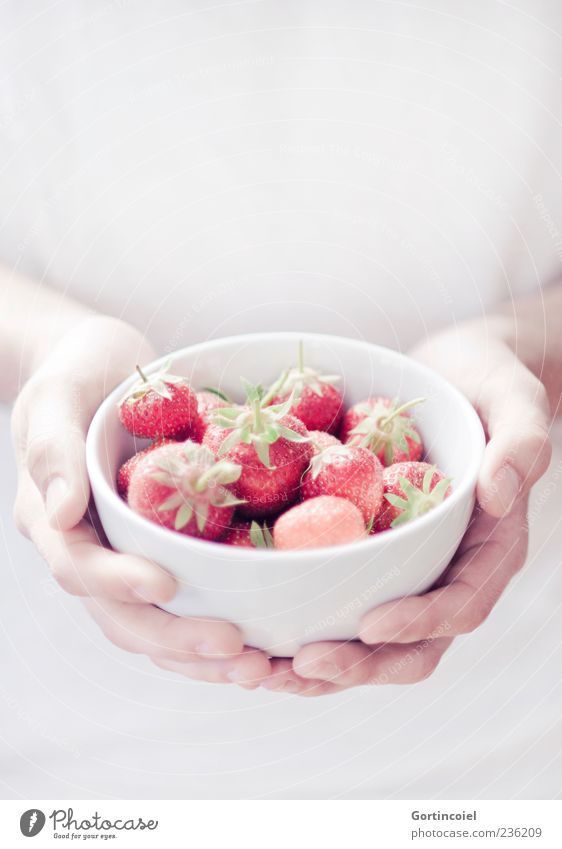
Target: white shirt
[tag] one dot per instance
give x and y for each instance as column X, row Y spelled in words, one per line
column 368, row 168
column 374, row 169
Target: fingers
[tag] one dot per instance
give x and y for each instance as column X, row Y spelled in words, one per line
column 284, row 679
column 201, row 649
column 353, row 664
column 49, row 428
column 143, row 629
column 248, row 669
column 514, row 406
column 55, row 407
column 491, row 553
column 81, row 565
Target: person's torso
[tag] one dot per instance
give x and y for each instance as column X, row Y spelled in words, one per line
column 371, row 169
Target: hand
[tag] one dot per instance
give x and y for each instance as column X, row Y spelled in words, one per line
column 49, row 426
column 403, row 641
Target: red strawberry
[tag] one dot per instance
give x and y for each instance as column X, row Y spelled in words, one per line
column 350, row 472
column 319, row 522
column 272, row 447
column 244, row 533
column 410, row 490
column 207, row 400
column 125, row 472
column 318, row 404
column 182, row 487
column 385, row 427
column 320, row 440
column 159, row 405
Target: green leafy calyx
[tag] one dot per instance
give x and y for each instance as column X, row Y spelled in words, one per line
column 197, row 482
column 260, row 536
column 256, row 423
column 385, row 428
column 296, row 379
column 327, row 456
column 417, row 501
column 158, row 382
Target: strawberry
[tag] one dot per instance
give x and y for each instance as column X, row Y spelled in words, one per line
column 320, row 440
column 348, row 471
column 159, row 405
column 323, row 521
column 318, row 404
column 410, row 490
column 207, row 400
column 272, row 447
column 126, row 470
column 244, row 533
column 182, row 487
column 385, row 427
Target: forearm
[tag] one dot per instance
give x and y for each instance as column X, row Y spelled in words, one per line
column 33, row 317
column 527, row 327
column 532, row 327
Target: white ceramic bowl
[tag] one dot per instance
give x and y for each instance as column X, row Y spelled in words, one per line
column 280, row 599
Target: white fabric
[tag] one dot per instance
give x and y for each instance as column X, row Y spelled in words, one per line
column 366, row 168
column 374, row 169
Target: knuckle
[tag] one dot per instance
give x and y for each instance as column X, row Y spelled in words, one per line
column 474, row 618
column 17, row 419
column 19, row 515
column 540, row 447
column 428, row 665
column 39, row 453
column 117, row 633
column 114, row 634
column 176, row 640
column 66, row 583
column 63, row 573
column 541, row 395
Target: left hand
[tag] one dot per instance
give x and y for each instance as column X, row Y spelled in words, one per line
column 402, row 642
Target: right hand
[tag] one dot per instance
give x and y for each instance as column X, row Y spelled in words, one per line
column 49, row 425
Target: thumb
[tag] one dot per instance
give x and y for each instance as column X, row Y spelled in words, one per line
column 514, row 408
column 51, row 446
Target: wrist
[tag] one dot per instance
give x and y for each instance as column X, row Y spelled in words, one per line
column 97, row 351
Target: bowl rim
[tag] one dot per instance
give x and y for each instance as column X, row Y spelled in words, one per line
column 372, row 543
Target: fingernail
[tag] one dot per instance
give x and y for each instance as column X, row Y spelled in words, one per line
column 209, row 650
column 249, row 685
column 57, row 491
column 290, row 686
column 323, row 670
column 506, row 485
column 273, row 684
column 287, row 685
column 237, row 676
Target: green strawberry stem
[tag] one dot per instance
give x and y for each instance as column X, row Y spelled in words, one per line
column 256, row 423
column 258, row 418
column 275, row 389
column 385, row 420
column 300, row 362
column 142, row 374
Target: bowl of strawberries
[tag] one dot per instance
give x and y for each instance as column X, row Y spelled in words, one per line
column 290, row 483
